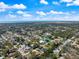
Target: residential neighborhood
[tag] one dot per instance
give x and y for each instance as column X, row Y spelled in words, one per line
column 39, row 41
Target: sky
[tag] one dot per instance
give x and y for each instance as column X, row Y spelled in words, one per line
column 39, row 10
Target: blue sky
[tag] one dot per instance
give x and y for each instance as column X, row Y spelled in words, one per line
column 39, row 10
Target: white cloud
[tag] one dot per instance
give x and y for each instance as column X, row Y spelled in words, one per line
column 14, row 17
column 11, row 16
column 27, row 15
column 58, row 18
column 24, row 14
column 52, row 12
column 55, row 3
column 55, row 12
column 18, row 6
column 66, row 0
column 74, row 3
column 20, row 12
column 41, row 13
column 4, row 6
column 43, row 2
column 71, row 2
